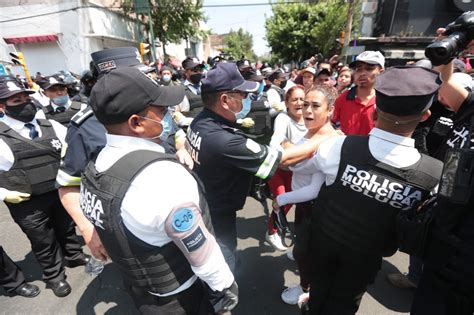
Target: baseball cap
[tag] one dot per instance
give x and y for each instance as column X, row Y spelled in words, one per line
column 310, row 70
column 191, row 62
column 277, row 74
column 48, row 81
column 107, row 60
column 371, row 57
column 406, row 90
column 226, row 77
column 127, row 91
column 252, row 75
column 9, row 86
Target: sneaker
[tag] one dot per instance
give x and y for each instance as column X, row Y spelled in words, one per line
column 400, row 281
column 292, row 295
column 290, row 256
column 275, row 241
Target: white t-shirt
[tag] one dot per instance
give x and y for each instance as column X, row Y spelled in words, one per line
column 285, row 128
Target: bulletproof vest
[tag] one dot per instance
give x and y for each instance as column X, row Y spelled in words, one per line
column 36, row 161
column 359, row 209
column 195, row 103
column 260, row 114
column 62, row 117
column 151, row 268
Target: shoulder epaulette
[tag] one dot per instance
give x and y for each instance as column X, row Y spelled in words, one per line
column 82, row 115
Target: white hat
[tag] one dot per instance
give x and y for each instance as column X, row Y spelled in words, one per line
column 370, row 57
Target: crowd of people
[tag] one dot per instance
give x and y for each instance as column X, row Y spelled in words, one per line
column 357, row 148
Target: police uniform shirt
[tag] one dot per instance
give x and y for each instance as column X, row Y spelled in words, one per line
column 225, row 160
column 150, row 199
column 386, row 147
column 84, row 140
column 6, row 155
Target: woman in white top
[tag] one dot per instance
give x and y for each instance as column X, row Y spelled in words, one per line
column 288, row 127
column 318, row 107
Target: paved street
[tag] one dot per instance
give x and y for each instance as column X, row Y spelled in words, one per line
column 262, row 275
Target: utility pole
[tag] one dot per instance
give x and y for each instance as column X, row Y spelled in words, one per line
column 347, row 32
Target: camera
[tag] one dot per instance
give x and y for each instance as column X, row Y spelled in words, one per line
column 460, row 33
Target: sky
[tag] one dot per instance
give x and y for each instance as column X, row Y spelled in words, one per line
column 250, row 18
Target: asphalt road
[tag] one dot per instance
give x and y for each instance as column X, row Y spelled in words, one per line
column 262, row 274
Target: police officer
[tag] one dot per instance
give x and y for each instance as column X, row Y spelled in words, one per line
column 29, row 160
column 192, row 84
column 369, row 179
column 12, row 278
column 447, row 282
column 87, row 83
column 224, row 158
column 86, row 137
column 60, row 107
column 148, row 209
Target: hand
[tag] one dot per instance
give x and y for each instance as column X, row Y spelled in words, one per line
column 184, row 158
column 279, row 107
column 228, row 300
column 178, row 117
column 247, row 122
column 94, row 243
column 16, row 197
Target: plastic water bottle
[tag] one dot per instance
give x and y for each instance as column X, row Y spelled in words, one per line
column 94, row 267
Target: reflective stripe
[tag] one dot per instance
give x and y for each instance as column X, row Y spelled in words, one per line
column 267, row 165
column 64, row 179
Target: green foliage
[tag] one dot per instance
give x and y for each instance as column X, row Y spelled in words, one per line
column 300, row 30
column 239, row 43
column 174, row 20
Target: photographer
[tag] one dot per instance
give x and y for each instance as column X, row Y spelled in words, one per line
column 447, row 283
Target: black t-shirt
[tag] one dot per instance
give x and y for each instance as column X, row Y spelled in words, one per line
column 225, row 160
column 459, row 134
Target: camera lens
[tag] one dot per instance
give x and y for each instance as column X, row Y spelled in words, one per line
column 442, row 52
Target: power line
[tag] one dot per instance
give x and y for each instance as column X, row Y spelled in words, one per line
column 115, row 7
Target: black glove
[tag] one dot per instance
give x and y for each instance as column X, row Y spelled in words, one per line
column 226, row 300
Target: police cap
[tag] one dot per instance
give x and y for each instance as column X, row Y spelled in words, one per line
column 109, row 59
column 226, row 77
column 51, row 80
column 127, row 91
column 191, row 62
column 252, row 75
column 406, row 90
column 9, row 86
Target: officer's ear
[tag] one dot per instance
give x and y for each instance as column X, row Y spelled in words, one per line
column 134, row 123
column 425, row 115
column 224, row 100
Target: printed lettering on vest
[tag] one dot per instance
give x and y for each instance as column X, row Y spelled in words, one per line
column 193, row 145
column 91, row 206
column 381, row 189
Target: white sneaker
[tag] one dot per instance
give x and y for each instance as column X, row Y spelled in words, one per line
column 292, row 295
column 275, row 241
column 290, row 256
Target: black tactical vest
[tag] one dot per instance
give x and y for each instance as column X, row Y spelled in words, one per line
column 195, row 103
column 62, row 117
column 35, row 168
column 151, row 268
column 262, row 131
column 360, row 207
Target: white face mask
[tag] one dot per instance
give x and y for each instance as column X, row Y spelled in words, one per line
column 166, row 78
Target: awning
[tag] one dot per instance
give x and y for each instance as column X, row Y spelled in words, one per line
column 31, row 39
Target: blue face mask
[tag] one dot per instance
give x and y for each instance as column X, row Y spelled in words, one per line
column 246, row 105
column 61, row 100
column 166, row 126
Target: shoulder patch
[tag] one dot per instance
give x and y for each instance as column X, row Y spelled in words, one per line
column 183, row 220
column 253, row 146
column 82, row 115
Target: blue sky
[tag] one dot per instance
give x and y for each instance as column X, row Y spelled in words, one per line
column 251, row 18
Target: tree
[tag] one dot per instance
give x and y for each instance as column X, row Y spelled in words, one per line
column 173, row 20
column 297, row 31
column 239, row 43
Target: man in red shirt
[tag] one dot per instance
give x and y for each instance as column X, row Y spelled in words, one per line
column 354, row 108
